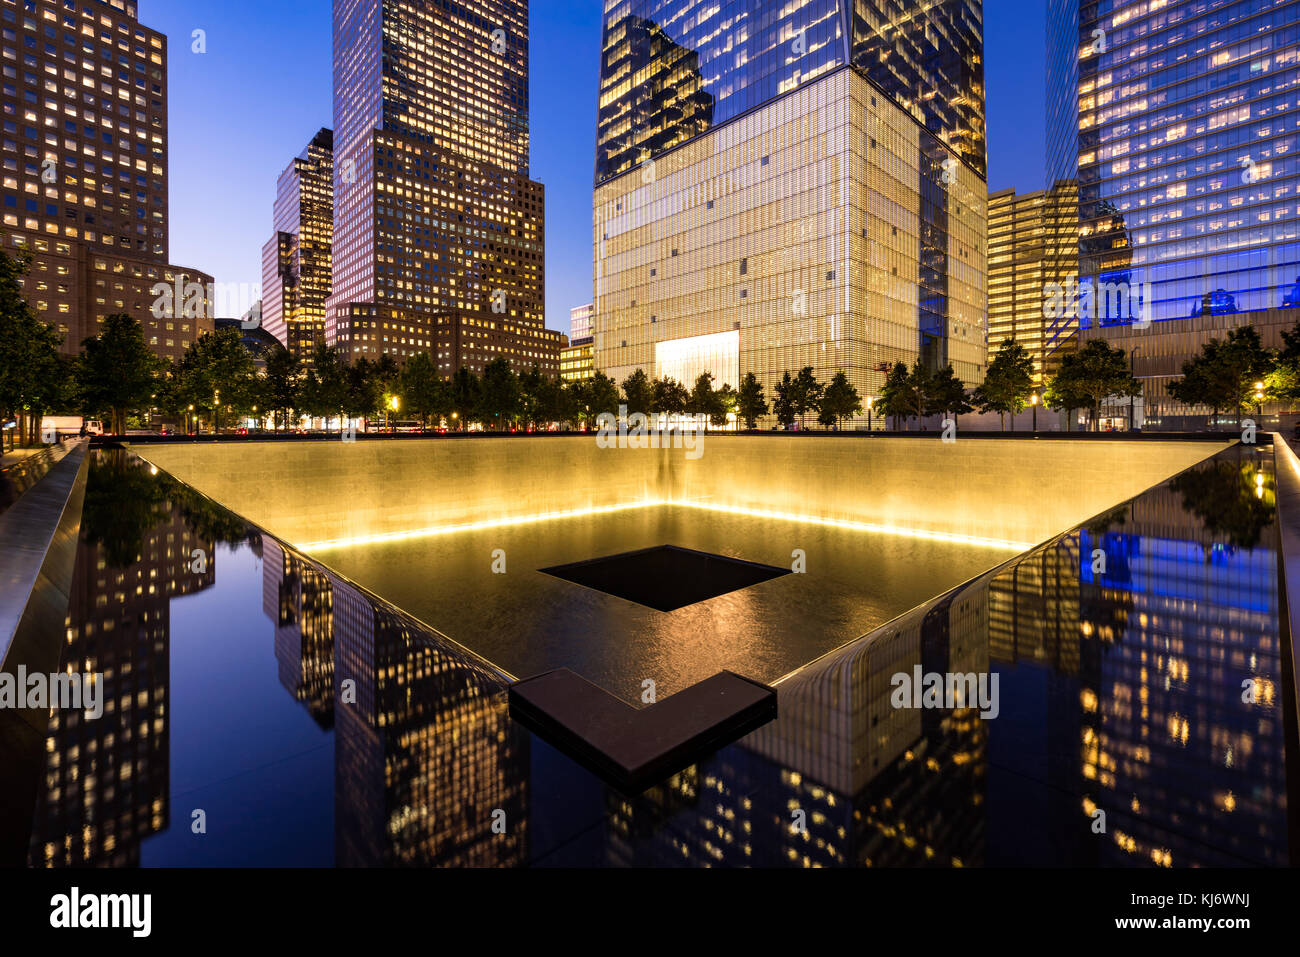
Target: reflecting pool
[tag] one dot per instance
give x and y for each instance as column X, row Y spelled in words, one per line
column 305, row 721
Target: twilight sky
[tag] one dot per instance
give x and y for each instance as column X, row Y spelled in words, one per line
column 243, row 109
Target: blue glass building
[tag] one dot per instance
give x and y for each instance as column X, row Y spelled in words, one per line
column 1179, row 121
column 672, row 69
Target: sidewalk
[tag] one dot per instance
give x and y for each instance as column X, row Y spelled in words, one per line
column 16, row 456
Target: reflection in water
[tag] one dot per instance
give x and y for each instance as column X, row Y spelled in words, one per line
column 106, row 781
column 1235, row 500
column 1122, row 646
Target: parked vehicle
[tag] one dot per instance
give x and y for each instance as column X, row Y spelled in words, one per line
column 70, row 425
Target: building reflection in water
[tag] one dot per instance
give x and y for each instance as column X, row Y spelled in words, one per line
column 427, row 759
column 1123, row 648
column 106, row 780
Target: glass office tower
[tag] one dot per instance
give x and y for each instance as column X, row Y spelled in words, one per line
column 1033, row 238
column 781, row 185
column 438, row 231
column 1180, row 119
column 296, row 259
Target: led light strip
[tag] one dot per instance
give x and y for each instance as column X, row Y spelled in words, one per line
column 473, row 526
column 845, row 524
column 860, row 526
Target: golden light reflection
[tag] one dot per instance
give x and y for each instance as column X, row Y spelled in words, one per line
column 845, row 524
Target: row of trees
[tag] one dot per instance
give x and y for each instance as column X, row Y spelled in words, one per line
column 1238, row 373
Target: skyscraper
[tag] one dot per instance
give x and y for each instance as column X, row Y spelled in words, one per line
column 85, row 170
column 1178, row 121
column 438, row 231
column 1033, row 238
column 296, row 259
column 576, row 357
column 788, row 186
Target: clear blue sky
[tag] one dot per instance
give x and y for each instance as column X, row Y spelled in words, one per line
column 243, row 109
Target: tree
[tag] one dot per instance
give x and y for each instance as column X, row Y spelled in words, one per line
column 1283, row 382
column 947, row 395
column 840, row 401
column 894, row 394
column 324, row 393
column 530, row 389
column 920, row 384
column 118, row 373
column 281, row 385
column 425, row 394
column 669, row 396
column 28, row 355
column 554, row 402
column 724, row 406
column 594, row 396
column 1090, row 375
column 465, row 389
column 807, row 394
column 1224, row 374
column 499, row 399
column 218, row 373
column 365, row 389
column 751, row 404
column 1008, row 382
column 638, row 392
column 783, row 405
column 704, row 400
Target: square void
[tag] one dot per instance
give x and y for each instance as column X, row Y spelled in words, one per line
column 666, row 577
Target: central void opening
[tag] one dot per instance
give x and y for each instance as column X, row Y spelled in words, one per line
column 718, row 599
column 666, row 577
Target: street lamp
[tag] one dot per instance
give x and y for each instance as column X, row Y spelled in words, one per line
column 189, row 419
column 1033, row 400
column 1259, row 399
column 870, row 403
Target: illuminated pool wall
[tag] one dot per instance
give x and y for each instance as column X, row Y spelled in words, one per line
column 1016, row 491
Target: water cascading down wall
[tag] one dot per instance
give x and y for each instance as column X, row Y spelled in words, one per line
column 1003, row 490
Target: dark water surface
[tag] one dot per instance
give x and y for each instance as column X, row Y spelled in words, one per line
column 313, row 724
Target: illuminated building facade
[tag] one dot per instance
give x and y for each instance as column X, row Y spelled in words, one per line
column 576, row 355
column 84, row 152
column 1178, row 121
column 1033, row 240
column 576, row 362
column 296, row 259
column 580, row 322
column 775, row 191
column 438, row 239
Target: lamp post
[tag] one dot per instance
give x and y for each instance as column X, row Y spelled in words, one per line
column 1033, row 400
column 393, row 404
column 189, row 419
column 870, row 403
column 216, row 412
column 1259, row 399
